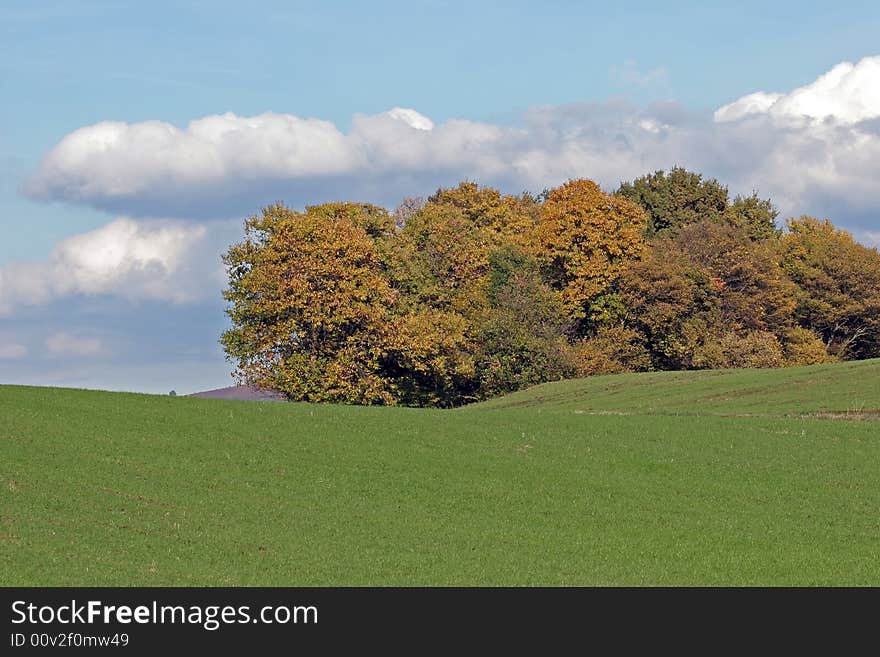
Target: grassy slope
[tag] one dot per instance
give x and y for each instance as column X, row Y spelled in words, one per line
column 674, row 478
column 851, row 388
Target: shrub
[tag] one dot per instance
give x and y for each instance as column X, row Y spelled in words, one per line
column 612, row 350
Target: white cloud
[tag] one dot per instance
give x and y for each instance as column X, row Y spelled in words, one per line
column 848, row 93
column 134, row 260
column 412, row 118
column 756, row 103
column 65, row 344
column 12, row 350
column 813, row 150
column 155, row 162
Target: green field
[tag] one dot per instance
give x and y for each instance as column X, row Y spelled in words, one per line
column 685, row 478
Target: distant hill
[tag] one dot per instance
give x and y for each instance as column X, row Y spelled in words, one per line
column 241, row 393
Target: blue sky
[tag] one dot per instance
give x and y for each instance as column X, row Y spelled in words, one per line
column 516, row 94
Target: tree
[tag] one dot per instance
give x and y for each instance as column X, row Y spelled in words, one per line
column 461, row 265
column 472, row 293
column 521, row 338
column 676, row 199
column 838, row 286
column 740, row 349
column 510, row 218
column 755, row 216
column 613, row 349
column 310, row 303
column 584, row 240
column 430, row 357
column 753, row 291
column 709, row 296
column 440, row 258
column 671, row 301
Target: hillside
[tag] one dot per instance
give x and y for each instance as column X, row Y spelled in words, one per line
column 696, row 478
column 850, row 389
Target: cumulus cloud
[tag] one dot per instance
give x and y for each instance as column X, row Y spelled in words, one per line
column 160, row 169
column 815, row 149
column 821, row 150
column 65, row 344
column 757, row 103
column 848, row 93
column 134, row 260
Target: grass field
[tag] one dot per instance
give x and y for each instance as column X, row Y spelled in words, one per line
column 735, row 477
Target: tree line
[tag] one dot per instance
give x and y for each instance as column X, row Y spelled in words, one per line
column 472, row 293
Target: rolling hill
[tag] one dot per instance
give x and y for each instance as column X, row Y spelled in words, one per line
column 679, row 478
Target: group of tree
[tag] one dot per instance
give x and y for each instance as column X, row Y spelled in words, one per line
column 472, row 293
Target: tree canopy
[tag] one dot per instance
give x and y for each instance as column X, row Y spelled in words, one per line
column 471, row 293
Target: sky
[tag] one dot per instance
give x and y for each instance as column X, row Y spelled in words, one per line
column 135, row 138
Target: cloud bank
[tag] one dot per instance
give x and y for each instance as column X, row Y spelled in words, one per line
column 158, row 260
column 813, row 149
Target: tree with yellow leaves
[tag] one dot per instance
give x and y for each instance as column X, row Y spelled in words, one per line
column 585, row 239
column 310, row 303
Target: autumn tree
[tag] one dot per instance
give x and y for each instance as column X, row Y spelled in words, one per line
column 440, row 267
column 671, row 301
column 310, row 303
column 838, row 286
column 506, row 217
column 585, row 238
column 471, row 307
column 710, row 296
column 753, row 291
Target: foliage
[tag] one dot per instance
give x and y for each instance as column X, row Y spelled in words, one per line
column 838, row 286
column 755, row 216
column 614, row 349
column 751, row 288
column 452, row 260
column 585, row 239
column 671, row 301
column 804, row 347
column 472, row 293
column 310, row 303
column 676, row 199
column 522, row 338
column 751, row 349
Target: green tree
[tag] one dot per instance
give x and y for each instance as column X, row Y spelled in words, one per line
column 676, row 199
column 521, row 337
column 754, row 215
